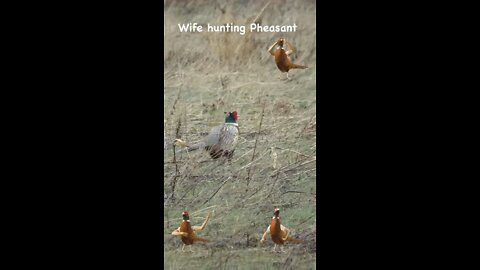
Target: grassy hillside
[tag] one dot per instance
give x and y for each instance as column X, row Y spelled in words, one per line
column 207, row 74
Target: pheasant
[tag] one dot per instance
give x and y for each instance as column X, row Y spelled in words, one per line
column 187, row 232
column 278, row 232
column 220, row 141
column 282, row 57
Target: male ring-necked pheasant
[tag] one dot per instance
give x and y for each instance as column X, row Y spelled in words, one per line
column 278, row 232
column 220, row 141
column 187, row 232
column 282, row 57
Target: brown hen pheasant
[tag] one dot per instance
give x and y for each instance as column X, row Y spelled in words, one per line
column 187, row 232
column 282, row 57
column 278, row 232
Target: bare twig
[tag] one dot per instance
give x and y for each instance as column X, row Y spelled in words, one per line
column 176, row 101
column 261, row 13
column 290, row 150
column 172, row 196
column 273, row 185
column 293, row 191
column 307, row 219
column 256, row 141
column 177, row 171
column 302, row 164
column 306, row 125
column 224, row 182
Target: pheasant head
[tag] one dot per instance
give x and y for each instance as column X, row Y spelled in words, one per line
column 185, row 215
column 276, row 212
column 231, row 117
column 280, row 42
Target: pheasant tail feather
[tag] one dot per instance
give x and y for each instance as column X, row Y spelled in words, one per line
column 298, row 66
column 195, row 146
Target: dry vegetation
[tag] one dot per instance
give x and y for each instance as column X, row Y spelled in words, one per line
column 274, row 165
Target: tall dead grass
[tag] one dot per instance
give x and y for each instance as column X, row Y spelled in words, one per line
column 275, row 161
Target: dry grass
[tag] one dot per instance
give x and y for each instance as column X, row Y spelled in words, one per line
column 274, row 164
